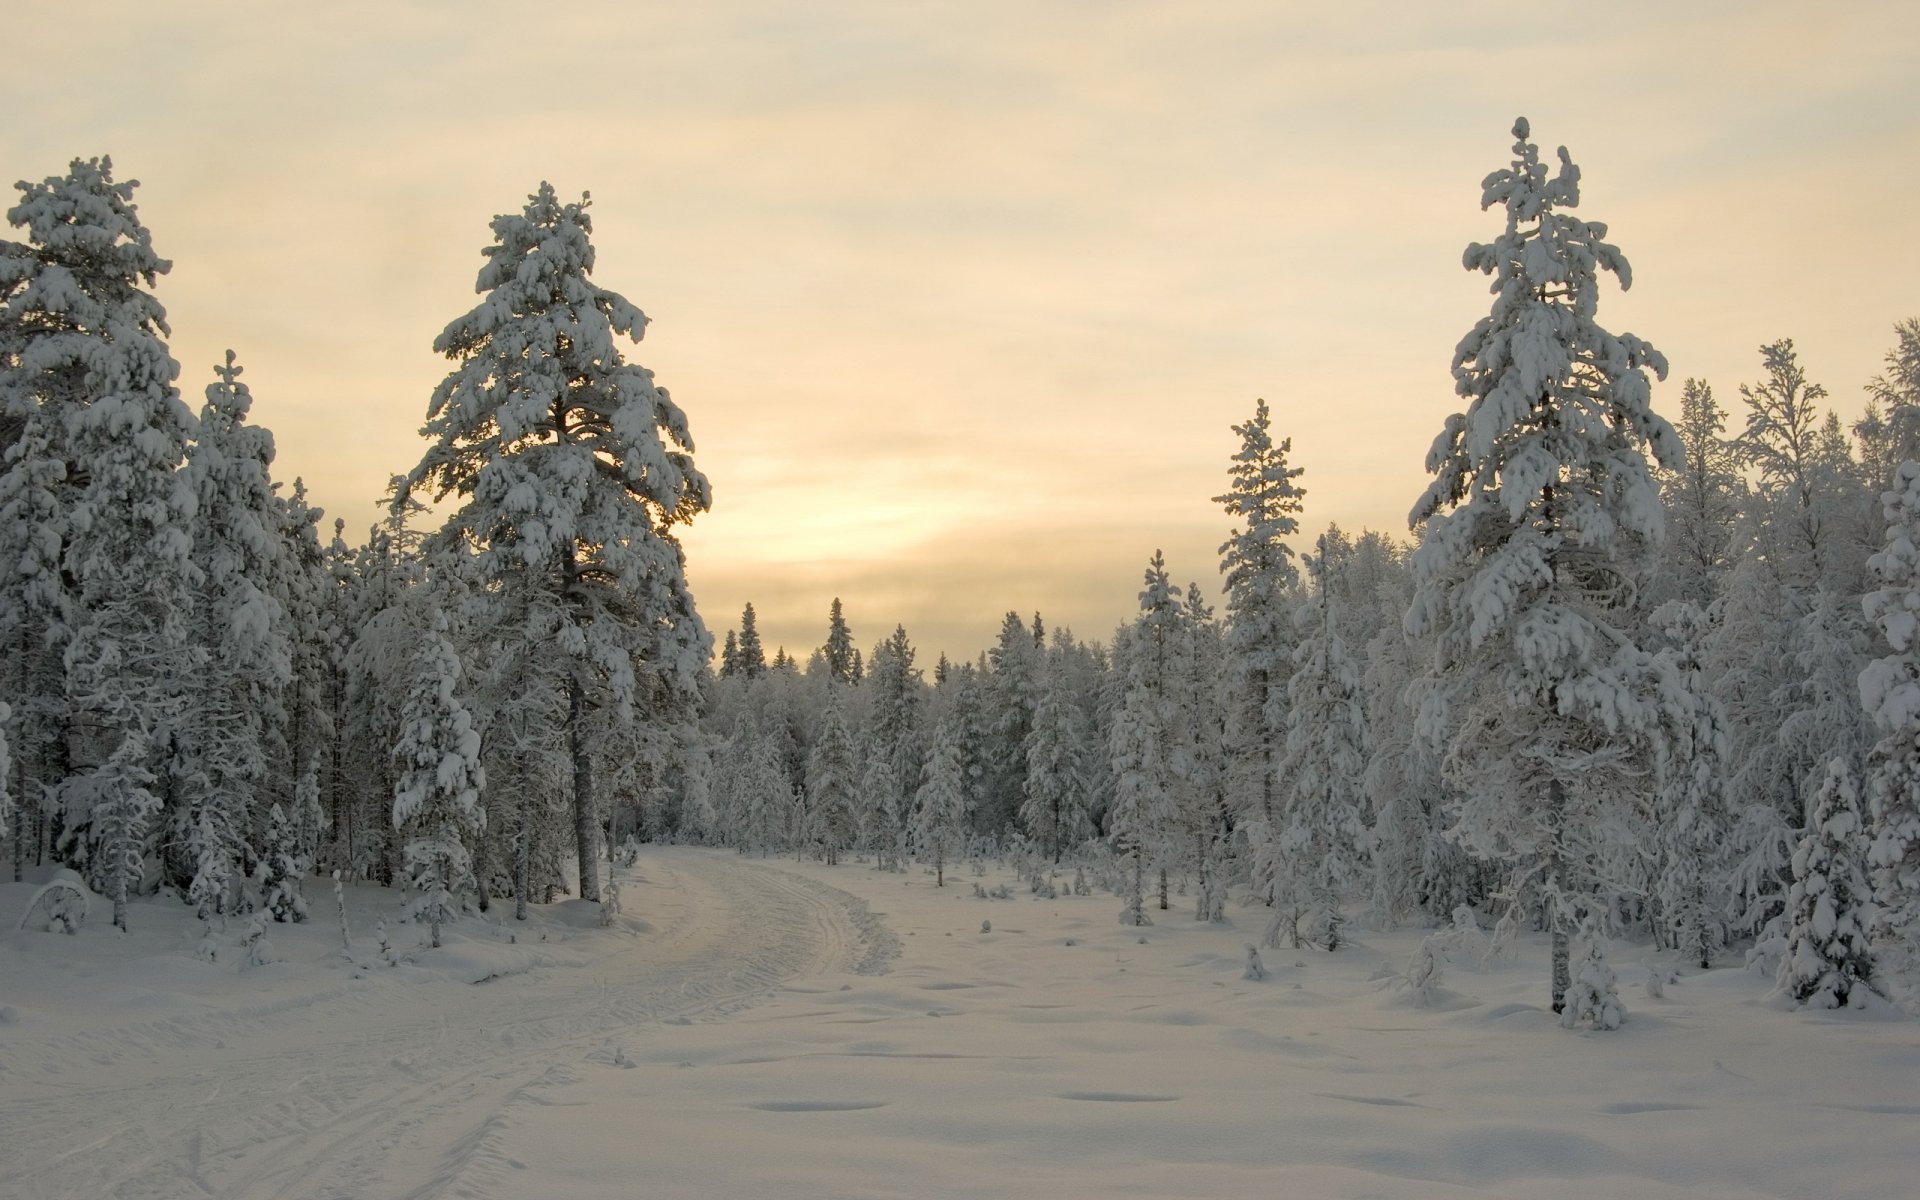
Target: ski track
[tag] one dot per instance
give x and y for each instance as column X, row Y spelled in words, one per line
column 271, row 1102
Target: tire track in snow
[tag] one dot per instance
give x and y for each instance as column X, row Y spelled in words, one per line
column 272, row 1102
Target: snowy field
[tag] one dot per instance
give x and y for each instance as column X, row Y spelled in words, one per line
column 770, row 1029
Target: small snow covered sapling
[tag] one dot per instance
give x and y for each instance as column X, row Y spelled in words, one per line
column 609, row 904
column 258, row 950
column 986, row 927
column 1593, row 997
column 1256, row 970
column 1425, row 969
column 1080, row 885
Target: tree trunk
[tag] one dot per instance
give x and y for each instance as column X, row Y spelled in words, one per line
column 1562, row 975
column 523, row 855
column 584, row 821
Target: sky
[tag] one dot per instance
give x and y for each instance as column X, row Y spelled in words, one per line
column 962, row 299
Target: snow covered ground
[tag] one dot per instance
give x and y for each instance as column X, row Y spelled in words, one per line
column 757, row 1028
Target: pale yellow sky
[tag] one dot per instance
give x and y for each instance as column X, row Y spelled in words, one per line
column 961, row 298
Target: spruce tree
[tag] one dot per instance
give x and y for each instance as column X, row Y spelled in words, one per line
column 940, row 815
column 750, row 659
column 1053, row 810
column 242, row 655
column 831, row 784
column 572, row 468
column 838, row 651
column 1827, row 962
column 1537, row 524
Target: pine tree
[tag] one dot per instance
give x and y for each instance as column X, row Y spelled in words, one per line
column 86, row 383
column 1261, row 582
column 1013, row 692
column 1827, row 963
column 438, row 780
column 1537, row 520
column 572, row 467
column 1890, row 691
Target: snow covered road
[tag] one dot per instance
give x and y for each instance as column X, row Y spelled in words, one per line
column 363, row 1087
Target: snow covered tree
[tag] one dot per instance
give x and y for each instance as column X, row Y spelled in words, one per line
column 573, row 468
column 1013, row 687
column 86, row 382
column 699, row 816
column 1144, row 739
column 1053, row 811
column 6, row 772
column 749, row 657
column 438, row 781
column 1593, row 998
column 1538, row 520
column 243, row 657
column 1691, row 814
column 838, row 651
column 1703, row 500
column 1782, row 441
column 831, row 784
column 284, row 866
column 882, row 828
column 940, row 818
column 893, row 723
column 1261, row 582
column 1890, row 431
column 1827, row 963
column 1319, row 853
column 1890, row 691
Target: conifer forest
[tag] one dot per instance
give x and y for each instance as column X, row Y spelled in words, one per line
column 1634, row 694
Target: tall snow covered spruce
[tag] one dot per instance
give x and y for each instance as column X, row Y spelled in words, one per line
column 241, row 656
column 573, row 468
column 1537, row 527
